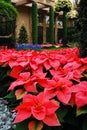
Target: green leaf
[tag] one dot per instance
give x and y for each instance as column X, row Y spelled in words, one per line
column 10, row 95
column 61, row 113
column 85, row 74
column 81, row 111
column 84, row 125
column 22, row 126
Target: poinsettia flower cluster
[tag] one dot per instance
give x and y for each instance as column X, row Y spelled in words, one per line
column 44, row 80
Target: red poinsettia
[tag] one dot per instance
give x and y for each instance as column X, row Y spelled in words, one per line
column 61, row 88
column 25, row 79
column 40, row 107
column 42, row 80
column 80, row 92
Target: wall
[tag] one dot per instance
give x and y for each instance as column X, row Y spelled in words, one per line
column 24, row 18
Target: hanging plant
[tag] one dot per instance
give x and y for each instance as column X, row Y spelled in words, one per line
column 73, row 14
column 63, row 5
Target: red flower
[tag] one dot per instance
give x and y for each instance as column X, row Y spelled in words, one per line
column 72, row 66
column 25, row 79
column 80, row 91
column 40, row 107
column 19, row 58
column 75, row 75
column 61, row 88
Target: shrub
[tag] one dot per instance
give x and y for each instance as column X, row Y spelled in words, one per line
column 23, row 36
column 8, row 15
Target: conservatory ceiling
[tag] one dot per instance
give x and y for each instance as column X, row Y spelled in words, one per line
column 41, row 4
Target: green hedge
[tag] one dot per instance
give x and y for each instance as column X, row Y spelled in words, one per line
column 8, row 15
column 34, row 23
column 51, row 26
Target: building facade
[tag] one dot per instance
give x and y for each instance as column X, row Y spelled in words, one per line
column 25, row 18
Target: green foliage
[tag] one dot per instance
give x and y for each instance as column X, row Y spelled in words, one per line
column 63, row 5
column 62, row 113
column 8, row 14
column 5, row 80
column 73, row 34
column 84, row 126
column 22, row 126
column 65, row 28
column 83, row 27
column 81, row 111
column 34, row 23
column 8, row 10
column 51, row 25
column 23, row 36
column 72, row 14
column 9, row 1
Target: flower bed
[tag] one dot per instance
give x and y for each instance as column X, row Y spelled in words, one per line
column 50, row 88
column 26, row 46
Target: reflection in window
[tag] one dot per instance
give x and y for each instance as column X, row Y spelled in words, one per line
column 47, row 19
column 60, row 23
